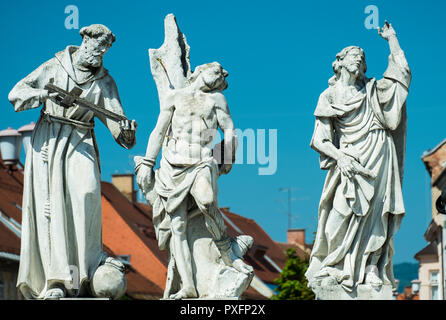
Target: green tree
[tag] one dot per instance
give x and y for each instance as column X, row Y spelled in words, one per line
column 292, row 283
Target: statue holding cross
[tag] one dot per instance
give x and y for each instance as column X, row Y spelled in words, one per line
column 62, row 216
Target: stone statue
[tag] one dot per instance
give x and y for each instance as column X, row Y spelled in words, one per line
column 61, row 222
column 360, row 133
column 204, row 262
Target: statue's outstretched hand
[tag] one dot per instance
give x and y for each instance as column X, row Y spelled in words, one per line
column 45, row 94
column 128, row 129
column 387, row 31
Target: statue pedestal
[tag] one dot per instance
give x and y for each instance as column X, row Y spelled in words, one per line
column 84, row 299
column 362, row 292
column 213, row 279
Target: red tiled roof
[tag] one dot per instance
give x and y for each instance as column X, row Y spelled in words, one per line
column 263, row 245
column 300, row 253
column 408, row 294
column 429, row 250
column 11, row 189
column 137, row 216
column 434, row 160
column 127, row 230
column 138, row 286
column 9, row 241
column 11, row 186
column 252, row 294
column 145, row 208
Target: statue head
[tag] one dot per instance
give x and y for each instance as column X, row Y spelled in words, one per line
column 351, row 58
column 212, row 76
column 97, row 39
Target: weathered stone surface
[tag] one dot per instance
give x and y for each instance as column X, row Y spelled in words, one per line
column 360, row 133
column 109, row 280
column 203, row 261
column 361, row 292
column 214, row 280
column 61, row 243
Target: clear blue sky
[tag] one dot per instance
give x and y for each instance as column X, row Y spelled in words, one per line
column 279, row 55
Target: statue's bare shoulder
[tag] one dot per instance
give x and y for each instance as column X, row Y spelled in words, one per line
column 219, row 101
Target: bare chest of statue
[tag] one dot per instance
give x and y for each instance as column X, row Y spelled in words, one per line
column 193, row 127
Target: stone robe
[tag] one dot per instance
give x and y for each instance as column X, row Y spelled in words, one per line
column 359, row 217
column 172, row 187
column 61, row 210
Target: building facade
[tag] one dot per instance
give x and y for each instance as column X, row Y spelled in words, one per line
column 431, row 258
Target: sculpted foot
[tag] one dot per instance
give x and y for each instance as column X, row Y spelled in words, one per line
column 239, row 265
column 231, row 260
column 185, row 293
column 372, row 278
column 329, row 281
column 225, row 246
column 54, row 294
column 241, row 244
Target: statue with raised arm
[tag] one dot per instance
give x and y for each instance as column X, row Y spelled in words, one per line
column 61, row 245
column 360, row 134
column 183, row 190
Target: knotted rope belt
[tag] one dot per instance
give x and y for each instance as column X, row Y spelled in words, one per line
column 79, row 124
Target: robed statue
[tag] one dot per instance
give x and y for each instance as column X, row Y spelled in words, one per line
column 360, row 134
column 61, row 243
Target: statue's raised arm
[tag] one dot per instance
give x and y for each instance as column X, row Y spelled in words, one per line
column 388, row 33
column 392, row 92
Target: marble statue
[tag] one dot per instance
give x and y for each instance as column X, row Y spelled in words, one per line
column 61, row 222
column 204, row 262
column 360, row 134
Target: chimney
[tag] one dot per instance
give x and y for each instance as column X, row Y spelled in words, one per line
column 124, row 182
column 296, row 236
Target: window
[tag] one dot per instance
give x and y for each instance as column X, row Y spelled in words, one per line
column 433, row 281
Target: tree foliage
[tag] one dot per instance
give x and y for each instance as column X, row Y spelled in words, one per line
column 292, row 283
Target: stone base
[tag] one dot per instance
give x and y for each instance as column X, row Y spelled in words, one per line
column 209, row 298
column 229, row 283
column 213, row 279
column 362, row 292
column 84, row 299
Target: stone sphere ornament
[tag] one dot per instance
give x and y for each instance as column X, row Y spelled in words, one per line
column 109, row 280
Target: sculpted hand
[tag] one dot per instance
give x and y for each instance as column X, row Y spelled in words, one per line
column 225, row 168
column 349, row 167
column 387, row 31
column 144, row 177
column 128, row 129
column 45, row 94
column 345, row 164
